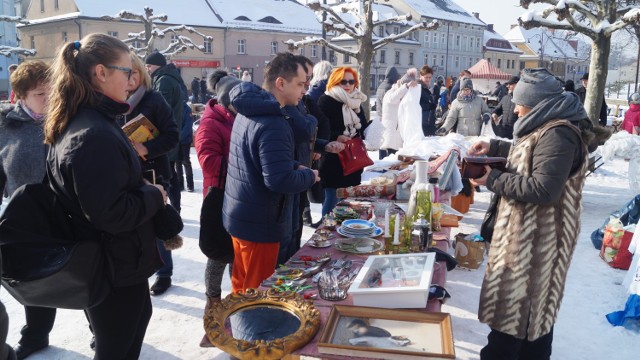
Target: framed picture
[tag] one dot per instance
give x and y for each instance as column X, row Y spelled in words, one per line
column 387, row 334
column 394, row 281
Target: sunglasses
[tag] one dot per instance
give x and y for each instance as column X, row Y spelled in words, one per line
column 345, row 82
column 127, row 70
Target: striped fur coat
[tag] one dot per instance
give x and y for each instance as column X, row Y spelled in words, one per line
column 535, row 232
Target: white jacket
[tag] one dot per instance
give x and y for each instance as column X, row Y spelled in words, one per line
column 410, row 119
column 391, row 138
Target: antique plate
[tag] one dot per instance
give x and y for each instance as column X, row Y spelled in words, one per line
column 319, row 244
column 359, row 245
column 358, row 225
column 378, row 231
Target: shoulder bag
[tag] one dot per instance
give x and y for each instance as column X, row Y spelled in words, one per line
column 354, row 157
column 43, row 262
column 215, row 242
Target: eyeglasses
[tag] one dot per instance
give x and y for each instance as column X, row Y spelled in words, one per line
column 345, row 82
column 127, row 70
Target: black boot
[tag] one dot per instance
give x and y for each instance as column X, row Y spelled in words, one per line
column 23, row 351
column 160, row 286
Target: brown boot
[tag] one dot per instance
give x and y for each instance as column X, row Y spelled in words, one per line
column 205, row 343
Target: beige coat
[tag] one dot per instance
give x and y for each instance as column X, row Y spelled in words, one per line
column 468, row 116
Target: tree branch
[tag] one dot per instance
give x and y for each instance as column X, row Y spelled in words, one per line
column 391, row 38
column 399, row 18
column 8, row 51
column 13, row 19
column 293, row 45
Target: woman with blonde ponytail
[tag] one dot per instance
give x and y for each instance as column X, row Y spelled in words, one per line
column 95, row 170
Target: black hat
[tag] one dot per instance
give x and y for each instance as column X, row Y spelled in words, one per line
column 513, row 80
column 155, row 58
column 585, row 76
column 221, row 83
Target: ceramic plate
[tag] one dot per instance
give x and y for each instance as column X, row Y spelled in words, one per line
column 359, row 245
column 378, row 231
column 358, row 225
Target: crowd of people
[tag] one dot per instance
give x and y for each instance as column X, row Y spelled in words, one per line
column 261, row 150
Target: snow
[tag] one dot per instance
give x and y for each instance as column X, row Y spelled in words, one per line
column 293, row 17
column 444, row 10
column 581, row 332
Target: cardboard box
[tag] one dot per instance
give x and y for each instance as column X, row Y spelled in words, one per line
column 394, row 281
column 469, row 254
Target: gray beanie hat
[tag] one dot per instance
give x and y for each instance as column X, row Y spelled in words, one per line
column 634, row 99
column 221, row 83
column 466, row 83
column 536, row 85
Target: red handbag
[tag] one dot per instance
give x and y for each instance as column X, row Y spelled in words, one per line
column 354, row 157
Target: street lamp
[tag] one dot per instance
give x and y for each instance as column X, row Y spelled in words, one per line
column 541, row 35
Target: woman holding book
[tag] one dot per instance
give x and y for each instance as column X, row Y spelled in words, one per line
column 97, row 175
column 143, row 100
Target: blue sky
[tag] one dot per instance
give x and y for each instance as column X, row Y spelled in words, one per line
column 501, row 13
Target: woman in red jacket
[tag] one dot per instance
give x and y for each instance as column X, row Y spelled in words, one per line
column 212, row 146
column 631, row 123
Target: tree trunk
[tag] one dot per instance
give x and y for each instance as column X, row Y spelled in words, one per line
column 364, row 73
column 598, row 70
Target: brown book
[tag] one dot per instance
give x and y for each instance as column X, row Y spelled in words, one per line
column 140, row 129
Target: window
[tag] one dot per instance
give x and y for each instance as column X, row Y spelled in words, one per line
column 56, row 4
column 434, row 60
column 464, row 43
column 478, row 43
column 113, row 33
column 33, row 42
column 410, row 58
column 396, row 60
column 373, row 83
column 242, row 46
column 499, row 63
column 301, row 51
column 470, row 62
column 489, row 60
column 346, row 59
column 274, row 47
column 396, row 30
column 41, row 5
column 513, row 64
column 174, row 38
column 314, row 51
column 426, row 59
column 521, row 65
column 381, row 31
column 137, row 44
column 383, row 56
column 457, row 63
column 435, row 41
column 457, row 41
column 332, row 57
column 441, row 60
column 508, row 64
column 470, row 42
column 443, row 39
column 427, row 37
column 64, row 36
column 207, row 47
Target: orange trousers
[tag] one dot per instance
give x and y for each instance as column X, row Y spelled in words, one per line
column 252, row 263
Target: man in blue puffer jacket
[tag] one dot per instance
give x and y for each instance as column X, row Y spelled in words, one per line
column 262, row 176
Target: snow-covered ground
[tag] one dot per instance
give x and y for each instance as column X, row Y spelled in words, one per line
column 582, row 332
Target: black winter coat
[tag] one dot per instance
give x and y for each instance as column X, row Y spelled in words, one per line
column 505, row 109
column 330, row 167
column 156, row 109
column 167, row 81
column 94, row 167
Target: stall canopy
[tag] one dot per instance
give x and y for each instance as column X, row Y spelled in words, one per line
column 485, row 75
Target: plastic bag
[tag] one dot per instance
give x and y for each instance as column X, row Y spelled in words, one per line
column 628, row 214
column 615, row 245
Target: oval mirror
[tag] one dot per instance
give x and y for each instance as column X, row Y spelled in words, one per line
column 261, row 324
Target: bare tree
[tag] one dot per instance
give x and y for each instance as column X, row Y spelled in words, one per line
column 598, row 20
column 8, row 51
column 362, row 32
column 143, row 42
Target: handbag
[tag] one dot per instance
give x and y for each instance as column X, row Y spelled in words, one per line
column 354, row 157
column 315, row 194
column 43, row 262
column 214, row 241
column 489, row 222
column 473, row 167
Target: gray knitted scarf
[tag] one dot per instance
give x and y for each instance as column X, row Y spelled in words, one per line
column 565, row 106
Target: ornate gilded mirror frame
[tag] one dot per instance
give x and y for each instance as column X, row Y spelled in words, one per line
column 215, row 319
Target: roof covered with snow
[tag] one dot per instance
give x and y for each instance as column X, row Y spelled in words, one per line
column 272, row 15
column 444, row 10
column 554, row 43
column 496, row 42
